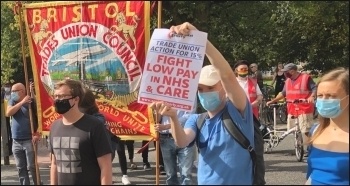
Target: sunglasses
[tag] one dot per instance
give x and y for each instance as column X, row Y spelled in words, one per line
column 252, row 66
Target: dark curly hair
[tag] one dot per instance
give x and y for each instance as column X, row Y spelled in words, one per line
column 241, row 62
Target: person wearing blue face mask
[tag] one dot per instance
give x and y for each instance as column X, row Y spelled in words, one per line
column 221, row 161
column 23, row 139
column 328, row 162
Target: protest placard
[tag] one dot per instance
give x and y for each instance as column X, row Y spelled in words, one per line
column 172, row 68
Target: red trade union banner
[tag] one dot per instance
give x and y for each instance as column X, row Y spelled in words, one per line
column 101, row 43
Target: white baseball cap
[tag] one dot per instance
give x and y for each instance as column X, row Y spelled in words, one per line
column 209, row 76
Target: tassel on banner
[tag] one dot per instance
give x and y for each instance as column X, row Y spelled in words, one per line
column 17, row 7
column 152, row 7
column 146, row 145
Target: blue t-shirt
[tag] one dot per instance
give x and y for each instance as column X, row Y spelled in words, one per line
column 20, row 122
column 222, row 161
column 326, row 167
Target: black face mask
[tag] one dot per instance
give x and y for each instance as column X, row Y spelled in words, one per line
column 62, row 106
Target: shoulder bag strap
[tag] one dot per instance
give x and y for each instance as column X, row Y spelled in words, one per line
column 237, row 134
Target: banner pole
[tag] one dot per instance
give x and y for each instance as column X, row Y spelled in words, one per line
column 159, row 25
column 18, row 11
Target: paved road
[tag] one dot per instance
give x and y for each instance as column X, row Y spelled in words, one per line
column 281, row 167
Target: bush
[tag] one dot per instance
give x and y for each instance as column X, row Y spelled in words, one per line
column 267, row 78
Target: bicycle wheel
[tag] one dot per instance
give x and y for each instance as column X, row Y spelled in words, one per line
column 299, row 148
column 267, row 132
column 262, row 112
column 269, row 115
column 267, row 91
column 263, row 117
column 270, row 90
column 282, row 113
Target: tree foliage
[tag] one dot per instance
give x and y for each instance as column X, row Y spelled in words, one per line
column 268, row 32
column 265, row 32
column 12, row 69
column 10, row 44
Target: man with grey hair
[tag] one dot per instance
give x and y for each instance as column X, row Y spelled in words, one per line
column 257, row 74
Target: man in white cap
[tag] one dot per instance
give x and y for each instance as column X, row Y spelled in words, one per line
column 221, row 161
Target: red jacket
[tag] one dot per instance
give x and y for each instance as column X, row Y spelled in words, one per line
column 252, row 94
column 299, row 90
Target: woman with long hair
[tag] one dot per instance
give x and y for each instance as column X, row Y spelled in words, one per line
column 328, row 162
column 88, row 106
column 279, row 78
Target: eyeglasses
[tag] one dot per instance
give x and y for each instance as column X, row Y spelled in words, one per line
column 62, row 96
column 16, row 90
column 252, row 66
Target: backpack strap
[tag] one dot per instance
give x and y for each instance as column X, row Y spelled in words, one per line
column 200, row 120
column 237, row 134
column 200, row 123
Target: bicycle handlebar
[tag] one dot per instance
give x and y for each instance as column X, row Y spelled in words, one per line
column 297, row 101
column 274, row 104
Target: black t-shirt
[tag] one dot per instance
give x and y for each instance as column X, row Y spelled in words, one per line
column 76, row 148
column 280, row 79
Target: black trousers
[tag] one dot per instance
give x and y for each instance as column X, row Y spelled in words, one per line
column 145, row 153
column 121, row 154
column 9, row 134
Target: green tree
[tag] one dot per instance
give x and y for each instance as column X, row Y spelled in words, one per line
column 316, row 32
column 10, row 47
column 11, row 52
column 265, row 32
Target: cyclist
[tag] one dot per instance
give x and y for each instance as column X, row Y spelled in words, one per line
column 298, row 86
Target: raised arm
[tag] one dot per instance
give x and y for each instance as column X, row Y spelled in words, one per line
column 233, row 90
column 13, row 107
